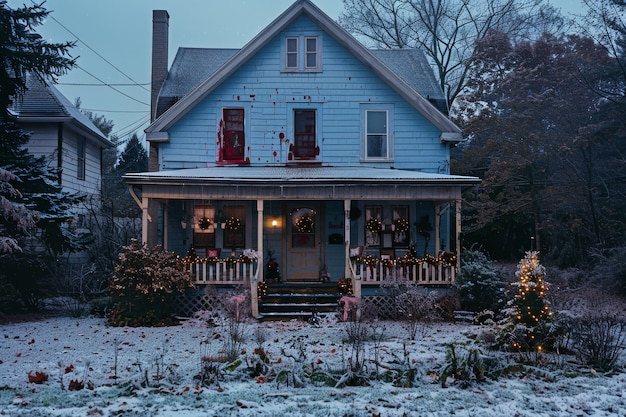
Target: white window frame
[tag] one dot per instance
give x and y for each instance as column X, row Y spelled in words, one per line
column 388, row 133
column 289, row 53
column 302, row 54
column 308, row 52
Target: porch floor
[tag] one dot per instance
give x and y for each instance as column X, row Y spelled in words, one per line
column 298, row 300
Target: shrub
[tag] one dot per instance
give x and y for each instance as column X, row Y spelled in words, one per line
column 416, row 305
column 479, row 284
column 600, row 340
column 144, row 285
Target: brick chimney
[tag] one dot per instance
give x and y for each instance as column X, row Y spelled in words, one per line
column 160, row 44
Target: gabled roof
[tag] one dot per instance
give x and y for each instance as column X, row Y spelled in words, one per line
column 180, row 105
column 45, row 103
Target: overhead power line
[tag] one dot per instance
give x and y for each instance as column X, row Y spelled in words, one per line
column 95, row 52
column 114, row 111
column 119, row 91
column 102, row 85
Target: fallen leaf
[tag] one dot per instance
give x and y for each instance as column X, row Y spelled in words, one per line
column 38, row 378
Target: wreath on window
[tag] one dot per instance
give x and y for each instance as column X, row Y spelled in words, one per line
column 204, row 223
column 401, row 224
column 233, row 224
column 305, row 224
column 374, row 225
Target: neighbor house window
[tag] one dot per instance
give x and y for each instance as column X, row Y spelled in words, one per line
column 302, row 53
column 81, row 145
column 233, row 134
column 377, row 134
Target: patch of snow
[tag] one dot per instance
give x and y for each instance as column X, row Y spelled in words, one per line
column 150, row 371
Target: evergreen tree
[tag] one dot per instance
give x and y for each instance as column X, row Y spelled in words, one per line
column 116, row 198
column 531, row 311
column 134, row 158
column 32, row 204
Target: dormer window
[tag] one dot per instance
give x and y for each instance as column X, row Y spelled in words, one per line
column 302, row 53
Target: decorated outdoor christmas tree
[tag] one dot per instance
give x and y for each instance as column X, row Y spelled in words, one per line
column 531, row 309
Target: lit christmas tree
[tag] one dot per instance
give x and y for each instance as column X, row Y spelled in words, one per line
column 531, row 310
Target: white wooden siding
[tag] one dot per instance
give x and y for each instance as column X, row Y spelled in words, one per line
column 44, row 142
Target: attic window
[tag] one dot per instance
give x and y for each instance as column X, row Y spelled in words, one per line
column 302, row 53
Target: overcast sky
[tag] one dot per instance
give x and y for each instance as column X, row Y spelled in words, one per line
column 114, row 43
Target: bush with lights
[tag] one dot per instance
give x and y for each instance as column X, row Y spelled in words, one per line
column 529, row 317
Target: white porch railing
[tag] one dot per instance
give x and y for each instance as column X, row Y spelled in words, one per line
column 375, row 273
column 223, row 271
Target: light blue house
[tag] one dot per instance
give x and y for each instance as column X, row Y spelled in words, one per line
column 306, row 146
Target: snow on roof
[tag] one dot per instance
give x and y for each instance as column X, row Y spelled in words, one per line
column 300, row 173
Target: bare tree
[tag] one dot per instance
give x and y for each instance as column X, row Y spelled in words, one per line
column 605, row 23
column 447, row 30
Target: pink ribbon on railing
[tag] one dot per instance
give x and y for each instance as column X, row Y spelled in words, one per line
column 347, row 303
column 237, row 299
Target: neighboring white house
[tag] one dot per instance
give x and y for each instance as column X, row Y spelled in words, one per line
column 64, row 135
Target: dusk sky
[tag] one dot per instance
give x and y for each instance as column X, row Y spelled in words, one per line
column 114, row 44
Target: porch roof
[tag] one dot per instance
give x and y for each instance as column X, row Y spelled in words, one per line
column 289, row 182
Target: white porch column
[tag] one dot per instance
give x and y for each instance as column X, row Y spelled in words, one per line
column 356, row 284
column 458, row 234
column 437, row 231
column 166, row 228
column 145, row 219
column 259, row 243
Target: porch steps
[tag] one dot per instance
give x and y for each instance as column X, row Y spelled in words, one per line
column 299, row 300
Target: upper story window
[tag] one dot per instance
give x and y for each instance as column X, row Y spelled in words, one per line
column 291, row 61
column 310, row 53
column 304, row 145
column 233, row 137
column 302, row 53
column 377, row 133
column 81, row 151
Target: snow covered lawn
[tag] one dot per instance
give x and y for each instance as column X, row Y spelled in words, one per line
column 96, row 370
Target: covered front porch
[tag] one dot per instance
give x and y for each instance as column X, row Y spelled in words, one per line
column 244, row 226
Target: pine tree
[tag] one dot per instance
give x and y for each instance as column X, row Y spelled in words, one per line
column 531, row 308
column 31, row 201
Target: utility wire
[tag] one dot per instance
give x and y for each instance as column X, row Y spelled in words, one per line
column 119, row 91
column 131, row 128
column 102, row 85
column 95, row 52
column 114, row 111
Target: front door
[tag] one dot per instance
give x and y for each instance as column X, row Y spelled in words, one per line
column 303, row 242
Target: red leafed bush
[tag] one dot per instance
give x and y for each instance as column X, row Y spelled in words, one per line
column 38, row 378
